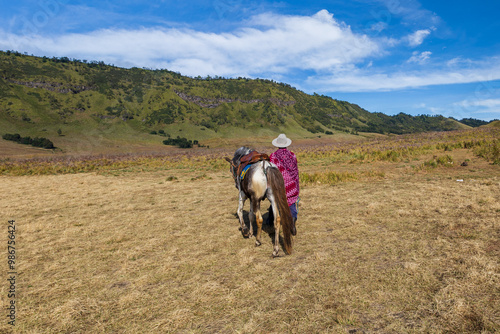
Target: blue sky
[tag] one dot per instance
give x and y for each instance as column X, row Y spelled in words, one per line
column 390, row 56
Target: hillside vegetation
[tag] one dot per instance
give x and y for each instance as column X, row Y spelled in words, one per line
column 54, row 97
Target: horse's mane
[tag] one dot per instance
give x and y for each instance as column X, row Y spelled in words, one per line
column 241, row 152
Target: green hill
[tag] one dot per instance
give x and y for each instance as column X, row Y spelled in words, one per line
column 44, row 96
column 495, row 124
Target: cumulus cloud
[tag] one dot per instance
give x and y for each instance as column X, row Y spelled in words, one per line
column 270, row 43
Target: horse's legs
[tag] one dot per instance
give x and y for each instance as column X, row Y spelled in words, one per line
column 241, row 202
column 251, row 216
column 277, row 225
column 258, row 220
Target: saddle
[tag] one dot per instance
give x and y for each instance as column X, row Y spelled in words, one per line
column 249, row 159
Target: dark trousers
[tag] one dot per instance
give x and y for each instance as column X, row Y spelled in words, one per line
column 293, row 211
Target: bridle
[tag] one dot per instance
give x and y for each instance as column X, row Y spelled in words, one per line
column 233, row 170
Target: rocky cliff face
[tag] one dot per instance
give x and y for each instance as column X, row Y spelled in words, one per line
column 213, row 103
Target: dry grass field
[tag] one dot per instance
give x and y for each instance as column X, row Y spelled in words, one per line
column 399, row 245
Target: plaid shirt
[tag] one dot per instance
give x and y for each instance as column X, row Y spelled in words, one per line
column 287, row 164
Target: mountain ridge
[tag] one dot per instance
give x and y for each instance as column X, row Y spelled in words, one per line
column 77, row 96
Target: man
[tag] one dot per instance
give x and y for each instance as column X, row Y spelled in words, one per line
column 286, row 162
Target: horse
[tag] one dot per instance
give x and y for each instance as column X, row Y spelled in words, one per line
column 258, row 181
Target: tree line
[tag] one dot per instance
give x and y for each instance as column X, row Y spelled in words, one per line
column 36, row 142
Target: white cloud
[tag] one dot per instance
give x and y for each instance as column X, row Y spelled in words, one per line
column 487, row 109
column 459, row 61
column 436, row 110
column 412, row 12
column 487, row 103
column 379, row 26
column 418, row 37
column 433, row 110
column 358, row 80
column 270, row 43
column 420, row 58
column 271, row 46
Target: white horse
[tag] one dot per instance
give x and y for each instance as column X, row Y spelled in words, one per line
column 257, row 181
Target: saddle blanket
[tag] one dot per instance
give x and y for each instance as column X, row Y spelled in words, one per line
column 244, row 171
column 249, row 159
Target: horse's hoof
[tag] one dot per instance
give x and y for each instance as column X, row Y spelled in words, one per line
column 257, row 243
column 275, row 254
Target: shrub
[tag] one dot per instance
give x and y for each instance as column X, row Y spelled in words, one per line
column 489, row 151
column 445, row 160
column 42, row 142
column 37, row 142
column 180, row 142
column 12, row 137
column 26, row 140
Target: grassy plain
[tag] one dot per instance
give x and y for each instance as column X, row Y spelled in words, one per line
column 392, row 238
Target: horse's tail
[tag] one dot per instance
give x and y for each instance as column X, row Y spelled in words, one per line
column 275, row 180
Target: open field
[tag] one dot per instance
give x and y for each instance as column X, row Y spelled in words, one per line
column 394, row 236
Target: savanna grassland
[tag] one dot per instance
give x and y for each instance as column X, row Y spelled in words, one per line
column 396, row 234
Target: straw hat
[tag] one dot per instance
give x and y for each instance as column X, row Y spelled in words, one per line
column 282, row 141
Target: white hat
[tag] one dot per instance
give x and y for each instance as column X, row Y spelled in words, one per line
column 282, row 141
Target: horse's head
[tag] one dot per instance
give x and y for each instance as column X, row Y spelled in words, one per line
column 235, row 162
column 232, row 168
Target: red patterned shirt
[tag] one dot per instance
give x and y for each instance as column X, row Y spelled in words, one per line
column 287, row 164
